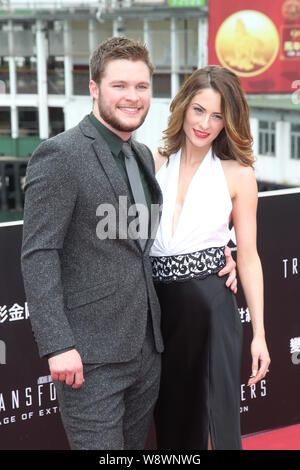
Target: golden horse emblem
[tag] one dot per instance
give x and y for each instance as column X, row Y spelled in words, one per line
column 247, row 43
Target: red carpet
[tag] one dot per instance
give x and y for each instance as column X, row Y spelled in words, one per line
column 280, row 439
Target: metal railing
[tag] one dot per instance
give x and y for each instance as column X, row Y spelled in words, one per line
column 63, row 4
column 46, row 4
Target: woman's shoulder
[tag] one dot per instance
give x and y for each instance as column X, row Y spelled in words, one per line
column 236, row 169
column 239, row 177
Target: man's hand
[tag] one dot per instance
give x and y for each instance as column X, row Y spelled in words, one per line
column 67, row 367
column 229, row 269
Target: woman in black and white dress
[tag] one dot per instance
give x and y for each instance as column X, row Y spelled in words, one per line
column 205, row 171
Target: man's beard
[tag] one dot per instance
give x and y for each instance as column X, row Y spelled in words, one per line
column 114, row 122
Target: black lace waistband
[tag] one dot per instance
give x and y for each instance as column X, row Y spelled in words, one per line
column 196, row 265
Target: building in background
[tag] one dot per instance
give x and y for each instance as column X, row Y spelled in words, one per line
column 44, row 55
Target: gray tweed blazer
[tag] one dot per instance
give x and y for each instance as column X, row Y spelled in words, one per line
column 82, row 291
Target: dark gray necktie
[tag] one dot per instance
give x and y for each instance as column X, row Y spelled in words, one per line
column 135, row 182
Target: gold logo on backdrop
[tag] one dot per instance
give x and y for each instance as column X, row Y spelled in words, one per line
column 247, row 43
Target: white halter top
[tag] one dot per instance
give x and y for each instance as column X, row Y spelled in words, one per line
column 203, row 221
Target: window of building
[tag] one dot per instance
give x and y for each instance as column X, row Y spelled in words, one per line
column 56, row 121
column 5, row 126
column 161, row 45
column 266, row 132
column 161, row 85
column 295, row 141
column 80, row 57
column 187, row 45
column 4, row 76
column 4, row 53
column 28, row 122
column 55, row 76
column 26, row 63
column 26, row 69
column 133, row 29
column 81, row 78
column 55, row 62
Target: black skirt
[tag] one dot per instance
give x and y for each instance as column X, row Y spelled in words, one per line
column 200, row 381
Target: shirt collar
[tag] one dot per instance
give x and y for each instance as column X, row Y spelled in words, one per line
column 113, row 141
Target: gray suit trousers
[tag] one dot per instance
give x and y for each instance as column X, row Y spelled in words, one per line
column 113, row 408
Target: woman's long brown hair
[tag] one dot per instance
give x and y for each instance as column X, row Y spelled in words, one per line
column 235, row 141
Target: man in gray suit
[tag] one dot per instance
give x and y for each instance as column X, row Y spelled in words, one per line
column 92, row 302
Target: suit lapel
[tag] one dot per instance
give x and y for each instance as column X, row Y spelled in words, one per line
column 108, row 164
column 110, row 168
column 105, row 159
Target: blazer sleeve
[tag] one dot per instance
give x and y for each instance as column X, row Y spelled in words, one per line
column 50, row 197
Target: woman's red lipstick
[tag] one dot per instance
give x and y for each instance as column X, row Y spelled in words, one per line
column 200, row 134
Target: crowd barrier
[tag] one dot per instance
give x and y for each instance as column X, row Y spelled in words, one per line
column 29, row 412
